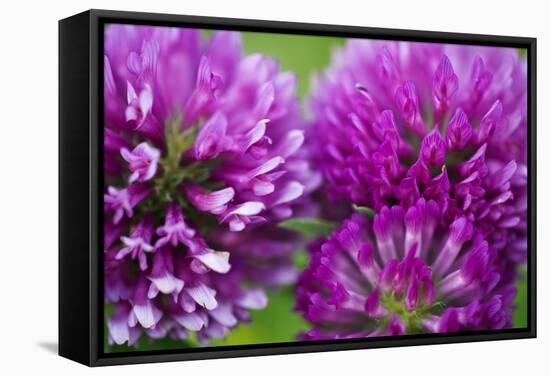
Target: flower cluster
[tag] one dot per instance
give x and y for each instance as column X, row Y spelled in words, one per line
column 432, row 139
column 202, row 145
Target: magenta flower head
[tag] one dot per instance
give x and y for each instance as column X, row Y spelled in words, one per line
column 403, row 272
column 431, row 139
column 202, row 145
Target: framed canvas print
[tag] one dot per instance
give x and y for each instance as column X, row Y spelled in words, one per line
column 239, row 187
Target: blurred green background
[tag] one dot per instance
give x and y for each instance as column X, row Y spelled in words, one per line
column 304, row 55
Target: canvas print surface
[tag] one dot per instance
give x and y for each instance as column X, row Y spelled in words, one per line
column 265, row 188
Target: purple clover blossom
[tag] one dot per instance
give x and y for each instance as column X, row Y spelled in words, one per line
column 202, row 154
column 241, row 215
column 142, row 161
column 175, row 230
column 137, row 245
column 119, row 330
column 432, row 138
column 214, row 202
column 402, row 273
column 123, row 201
column 412, row 107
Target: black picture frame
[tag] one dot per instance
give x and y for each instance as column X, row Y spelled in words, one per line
column 80, row 178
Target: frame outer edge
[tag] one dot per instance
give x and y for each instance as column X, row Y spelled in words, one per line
column 94, row 162
column 96, row 17
column 532, row 195
column 74, row 218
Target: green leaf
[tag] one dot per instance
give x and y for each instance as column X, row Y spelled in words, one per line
column 309, row 227
column 364, row 210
